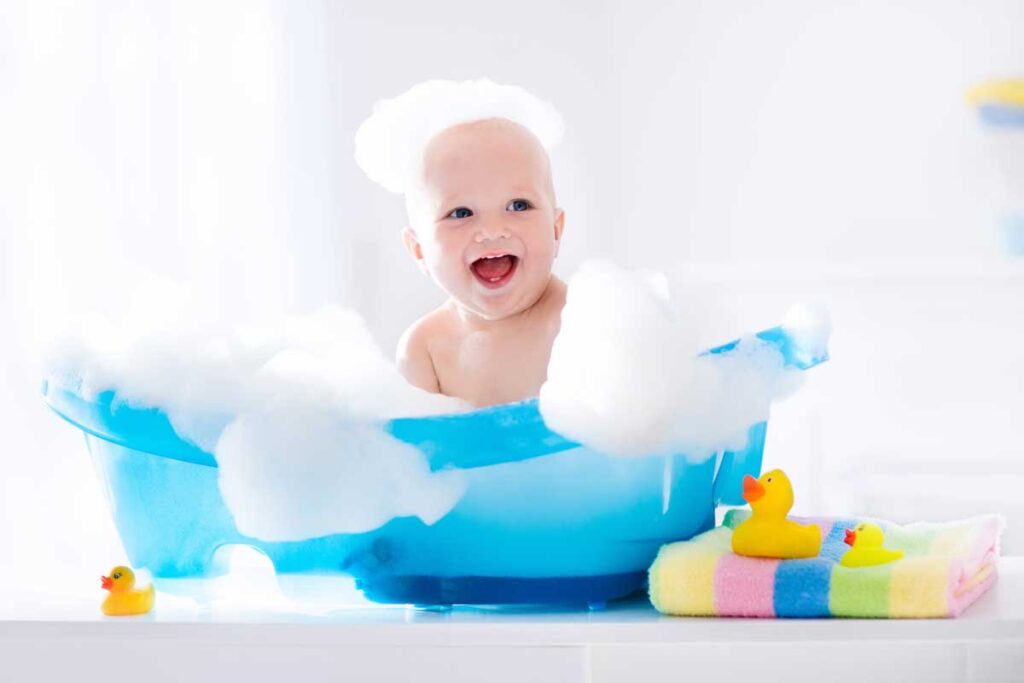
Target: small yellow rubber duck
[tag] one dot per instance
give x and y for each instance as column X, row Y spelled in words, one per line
column 124, row 598
column 866, row 549
column 767, row 533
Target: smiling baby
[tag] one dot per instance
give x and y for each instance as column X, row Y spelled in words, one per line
column 484, row 225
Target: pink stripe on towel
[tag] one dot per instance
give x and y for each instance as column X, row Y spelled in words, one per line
column 745, row 586
column 972, row 576
column 962, row 597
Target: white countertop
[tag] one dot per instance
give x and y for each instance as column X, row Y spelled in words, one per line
column 54, row 637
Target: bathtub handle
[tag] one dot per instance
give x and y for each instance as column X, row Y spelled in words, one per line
column 735, row 465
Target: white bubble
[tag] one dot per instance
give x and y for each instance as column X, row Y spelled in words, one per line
column 291, row 411
column 294, row 469
column 390, row 143
column 810, row 325
column 625, row 376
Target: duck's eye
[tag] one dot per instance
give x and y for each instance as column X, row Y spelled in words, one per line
column 461, row 212
column 519, row 205
column 117, row 575
column 768, row 480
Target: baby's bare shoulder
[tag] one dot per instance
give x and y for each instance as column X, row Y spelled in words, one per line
column 413, row 356
column 426, row 330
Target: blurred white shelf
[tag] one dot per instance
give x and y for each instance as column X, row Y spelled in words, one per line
column 732, row 272
column 68, row 639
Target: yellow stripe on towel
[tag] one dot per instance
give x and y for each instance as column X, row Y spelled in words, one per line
column 955, row 540
column 919, row 587
column 682, row 578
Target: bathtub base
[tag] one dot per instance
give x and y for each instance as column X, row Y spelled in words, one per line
column 435, row 591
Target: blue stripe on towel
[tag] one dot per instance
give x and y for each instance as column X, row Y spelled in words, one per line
column 801, row 588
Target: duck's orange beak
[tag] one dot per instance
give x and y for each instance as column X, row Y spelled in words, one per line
column 106, row 582
column 753, row 490
column 851, row 537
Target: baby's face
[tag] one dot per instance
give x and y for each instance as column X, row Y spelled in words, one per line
column 486, row 225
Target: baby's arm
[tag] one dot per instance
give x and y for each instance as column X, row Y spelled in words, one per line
column 413, row 359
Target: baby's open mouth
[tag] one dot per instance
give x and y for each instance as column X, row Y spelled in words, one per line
column 494, row 271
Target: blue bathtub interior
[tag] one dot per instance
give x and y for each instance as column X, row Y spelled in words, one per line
column 544, row 520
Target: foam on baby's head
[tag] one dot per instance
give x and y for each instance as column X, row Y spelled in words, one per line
column 390, row 144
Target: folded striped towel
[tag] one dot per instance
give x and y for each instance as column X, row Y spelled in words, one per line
column 946, row 567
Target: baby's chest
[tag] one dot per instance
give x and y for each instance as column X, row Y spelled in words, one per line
column 495, row 368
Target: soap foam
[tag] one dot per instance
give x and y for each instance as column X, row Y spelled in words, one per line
column 625, row 376
column 291, row 411
column 810, row 325
column 389, row 145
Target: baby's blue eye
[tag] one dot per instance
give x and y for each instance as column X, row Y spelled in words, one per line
column 456, row 213
column 521, row 203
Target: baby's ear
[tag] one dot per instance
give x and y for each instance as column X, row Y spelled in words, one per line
column 412, row 244
column 559, row 227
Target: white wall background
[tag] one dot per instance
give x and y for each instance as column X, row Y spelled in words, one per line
column 760, row 153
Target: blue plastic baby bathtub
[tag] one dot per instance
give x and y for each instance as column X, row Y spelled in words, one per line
column 543, row 520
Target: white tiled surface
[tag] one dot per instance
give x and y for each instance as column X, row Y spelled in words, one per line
column 55, row 639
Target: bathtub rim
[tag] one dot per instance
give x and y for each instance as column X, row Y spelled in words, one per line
column 514, row 431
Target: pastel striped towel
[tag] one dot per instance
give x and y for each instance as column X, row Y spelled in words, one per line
column 946, row 567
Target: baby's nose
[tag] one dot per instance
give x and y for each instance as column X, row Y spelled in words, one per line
column 492, row 231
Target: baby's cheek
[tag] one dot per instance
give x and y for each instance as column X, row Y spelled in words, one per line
column 435, row 253
column 544, row 255
column 445, row 244
column 449, row 261
column 447, row 270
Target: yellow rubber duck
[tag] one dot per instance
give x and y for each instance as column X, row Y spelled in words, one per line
column 767, row 532
column 866, row 549
column 124, row 598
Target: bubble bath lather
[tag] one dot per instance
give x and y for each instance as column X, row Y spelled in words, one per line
column 543, row 520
